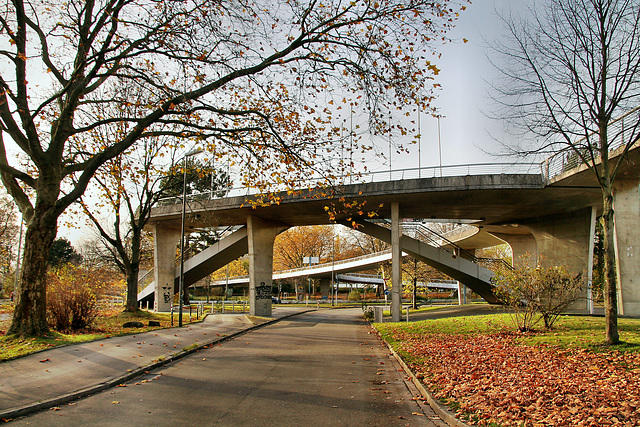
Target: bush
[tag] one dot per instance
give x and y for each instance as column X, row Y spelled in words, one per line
column 537, row 293
column 72, row 294
column 354, row 295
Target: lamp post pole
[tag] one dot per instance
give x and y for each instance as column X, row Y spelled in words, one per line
column 184, row 209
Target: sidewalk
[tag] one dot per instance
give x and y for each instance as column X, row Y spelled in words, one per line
column 62, row 374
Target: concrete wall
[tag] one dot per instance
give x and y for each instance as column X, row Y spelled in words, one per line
column 325, row 288
column 261, row 235
column 565, row 240
column 627, row 238
column 166, row 241
column 521, row 244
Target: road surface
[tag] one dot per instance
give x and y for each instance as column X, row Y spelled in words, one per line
column 322, row 368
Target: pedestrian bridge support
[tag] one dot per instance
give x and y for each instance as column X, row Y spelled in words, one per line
column 558, row 240
column 262, row 235
column 627, row 239
column 552, row 217
column 568, row 240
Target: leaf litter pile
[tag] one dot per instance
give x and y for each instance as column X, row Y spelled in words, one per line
column 496, row 380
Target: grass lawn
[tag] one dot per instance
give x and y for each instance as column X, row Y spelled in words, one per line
column 417, row 310
column 489, row 374
column 569, row 331
column 108, row 324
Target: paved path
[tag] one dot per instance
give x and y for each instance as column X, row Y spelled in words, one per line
column 322, row 368
column 73, row 369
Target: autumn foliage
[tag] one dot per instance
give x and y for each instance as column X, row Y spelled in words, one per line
column 493, row 379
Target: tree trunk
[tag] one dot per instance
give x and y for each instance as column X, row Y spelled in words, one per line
column 30, row 314
column 133, row 267
column 610, row 291
column 133, row 270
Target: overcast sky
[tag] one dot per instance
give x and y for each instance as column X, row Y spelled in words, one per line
column 465, row 71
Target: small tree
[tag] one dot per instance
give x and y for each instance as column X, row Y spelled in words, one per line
column 515, row 289
column 568, row 72
column 557, row 290
column 62, row 252
column 536, row 293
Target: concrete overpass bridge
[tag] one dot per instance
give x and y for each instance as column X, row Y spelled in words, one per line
column 217, row 255
column 546, row 209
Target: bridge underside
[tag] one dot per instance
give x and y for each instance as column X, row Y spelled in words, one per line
column 257, row 240
column 552, row 220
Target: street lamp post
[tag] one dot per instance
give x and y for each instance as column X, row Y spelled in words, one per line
column 184, row 209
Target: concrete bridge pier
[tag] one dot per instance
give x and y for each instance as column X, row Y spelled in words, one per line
column 567, row 240
column 521, row 244
column 166, row 241
column 627, row 240
column 262, row 235
column 325, row 288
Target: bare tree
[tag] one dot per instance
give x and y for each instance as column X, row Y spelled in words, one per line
column 571, row 69
column 128, row 186
column 247, row 73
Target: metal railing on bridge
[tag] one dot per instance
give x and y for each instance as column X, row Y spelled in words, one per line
column 431, row 237
column 558, row 163
column 369, row 177
column 567, row 158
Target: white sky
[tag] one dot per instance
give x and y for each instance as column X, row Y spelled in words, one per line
column 463, row 100
column 465, row 71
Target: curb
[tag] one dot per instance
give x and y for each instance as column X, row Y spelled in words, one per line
column 441, row 410
column 12, row 413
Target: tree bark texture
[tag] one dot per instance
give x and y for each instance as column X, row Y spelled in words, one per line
column 133, row 270
column 610, row 291
column 30, row 313
column 133, row 266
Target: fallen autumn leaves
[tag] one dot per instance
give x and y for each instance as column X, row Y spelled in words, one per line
column 495, row 379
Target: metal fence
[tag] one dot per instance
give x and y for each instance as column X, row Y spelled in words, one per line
column 568, row 158
column 560, row 162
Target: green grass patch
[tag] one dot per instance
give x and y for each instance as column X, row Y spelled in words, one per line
column 191, row 347
column 107, row 324
column 587, row 332
column 12, row 347
column 417, row 310
column 569, row 332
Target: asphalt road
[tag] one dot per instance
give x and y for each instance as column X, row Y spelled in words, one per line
column 322, row 368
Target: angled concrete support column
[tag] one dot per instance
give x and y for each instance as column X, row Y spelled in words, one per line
column 565, row 240
column 165, row 243
column 396, row 263
column 261, row 237
column 627, row 239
